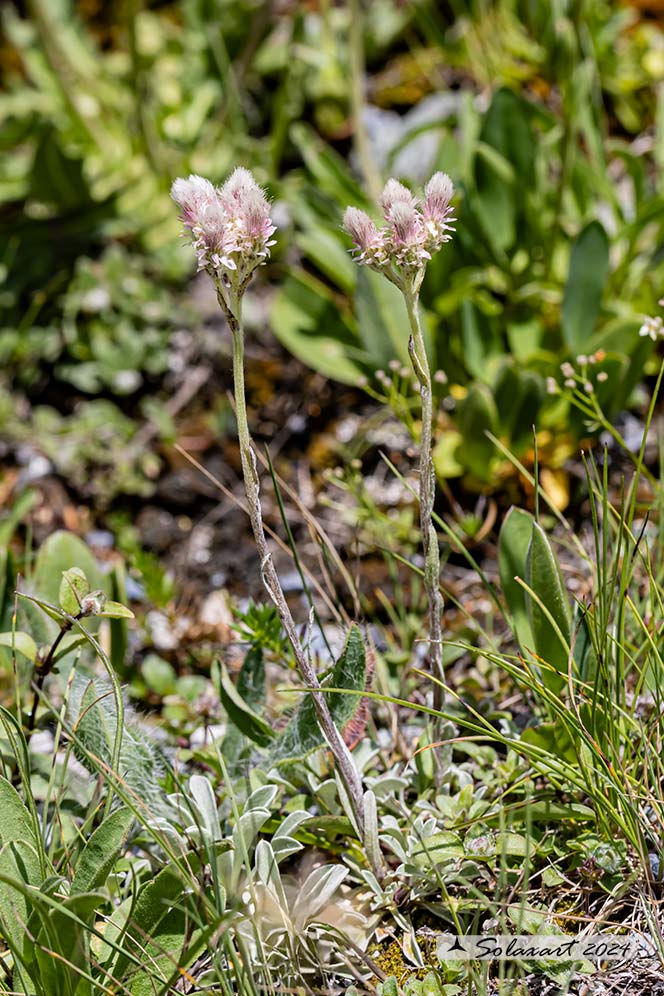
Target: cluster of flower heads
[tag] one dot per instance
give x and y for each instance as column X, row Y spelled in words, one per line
column 580, row 377
column 413, row 230
column 230, row 226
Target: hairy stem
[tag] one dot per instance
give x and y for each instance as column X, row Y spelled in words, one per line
column 420, row 362
column 44, row 669
column 342, row 756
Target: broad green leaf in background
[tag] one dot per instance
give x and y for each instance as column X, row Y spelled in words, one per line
column 553, row 738
column 588, row 272
column 477, row 414
column 495, row 192
column 513, row 544
column 61, row 551
column 518, row 395
column 102, row 851
column 585, row 657
column 56, row 178
column 478, row 343
column 62, row 934
column 303, row 735
column 306, row 319
column 16, row 821
column 163, row 952
column 6, row 586
column 549, row 612
column 22, row 643
column 324, row 249
column 250, row 689
column 504, row 167
column 118, row 625
column 153, row 902
column 19, row 863
column 330, row 171
column 243, row 717
column 381, row 318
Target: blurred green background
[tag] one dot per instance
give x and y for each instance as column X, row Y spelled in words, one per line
column 549, row 117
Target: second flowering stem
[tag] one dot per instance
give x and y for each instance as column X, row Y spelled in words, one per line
column 420, row 362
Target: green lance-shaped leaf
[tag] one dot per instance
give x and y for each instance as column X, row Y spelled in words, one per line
column 101, row 852
column 7, row 583
column 21, row 643
column 477, row 414
column 588, row 271
column 63, row 933
column 303, row 734
column 170, row 946
column 548, row 607
column 16, row 822
column 115, row 610
column 305, row 318
column 380, row 319
column 60, row 553
column 250, row 687
column 119, row 641
column 74, row 586
column 19, row 867
column 513, row 544
column 585, row 657
column 153, row 902
column 239, row 712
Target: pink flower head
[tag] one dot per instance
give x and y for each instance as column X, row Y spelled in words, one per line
column 436, row 212
column 412, row 232
column 238, row 186
column 394, row 193
column 193, row 196
column 368, row 240
column 230, row 227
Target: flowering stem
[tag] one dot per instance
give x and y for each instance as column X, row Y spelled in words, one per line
column 342, row 756
column 420, row 362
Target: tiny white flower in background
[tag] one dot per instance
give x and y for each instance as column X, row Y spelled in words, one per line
column 588, row 388
column 440, row 377
column 567, row 370
column 570, row 383
column 602, row 376
column 582, row 359
column 552, row 386
column 230, row 225
column 651, row 327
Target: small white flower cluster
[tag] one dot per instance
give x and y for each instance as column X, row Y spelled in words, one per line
column 579, row 378
column 230, row 225
column 412, row 232
column 653, row 328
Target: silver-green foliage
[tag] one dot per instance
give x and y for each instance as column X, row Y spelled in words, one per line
column 92, row 717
